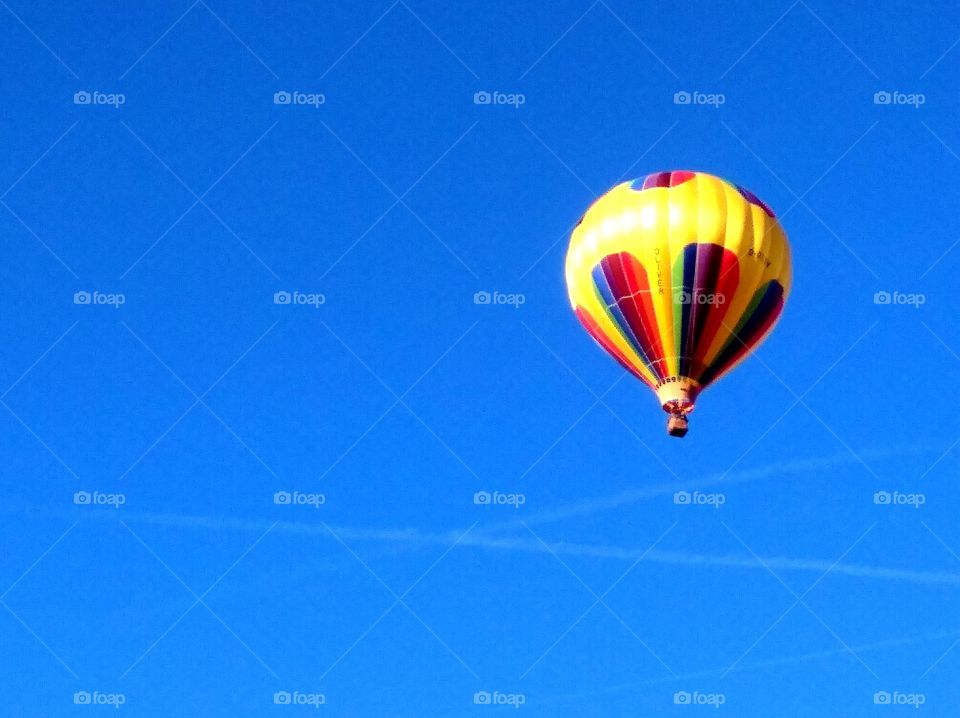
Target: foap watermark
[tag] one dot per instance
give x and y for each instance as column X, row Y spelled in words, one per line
column 910, row 99
column 698, row 498
column 711, row 99
column 95, row 298
column 111, row 99
column 308, row 99
column 696, row 698
column 495, row 298
column 296, row 297
column 497, row 498
column 96, row 698
column 914, row 300
column 711, row 298
column 296, row 698
column 896, row 698
column 496, row 698
column 98, row 498
column 514, row 99
column 299, row 498
column 896, row 498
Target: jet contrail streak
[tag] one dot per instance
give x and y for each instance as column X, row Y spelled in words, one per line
column 716, row 673
column 625, row 498
column 444, row 539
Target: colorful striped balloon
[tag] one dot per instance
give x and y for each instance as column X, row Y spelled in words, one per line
column 678, row 276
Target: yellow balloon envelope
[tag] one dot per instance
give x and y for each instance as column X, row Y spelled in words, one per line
column 678, row 276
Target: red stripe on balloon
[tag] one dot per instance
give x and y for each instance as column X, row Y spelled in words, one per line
column 632, row 288
column 726, row 283
column 594, row 330
column 667, row 179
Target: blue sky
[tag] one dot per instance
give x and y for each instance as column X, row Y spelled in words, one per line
column 178, row 397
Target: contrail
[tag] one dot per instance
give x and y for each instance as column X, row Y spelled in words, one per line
column 562, row 548
column 676, row 558
column 715, row 673
column 625, row 498
column 684, row 681
column 418, row 539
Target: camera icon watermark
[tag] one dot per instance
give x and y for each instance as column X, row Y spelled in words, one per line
column 95, row 298
column 496, row 698
column 496, row 298
column 111, row 99
column 96, row 698
column 896, row 298
column 299, row 498
column 909, row 99
column 296, row 698
column 97, row 498
column 513, row 99
column 696, row 698
column 309, row 99
column 710, row 99
column 708, row 298
column 896, row 698
column 698, row 498
column 298, row 298
column 496, row 498
column 896, row 498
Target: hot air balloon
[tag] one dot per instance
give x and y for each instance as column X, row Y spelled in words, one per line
column 678, row 275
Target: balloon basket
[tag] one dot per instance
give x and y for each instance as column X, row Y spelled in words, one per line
column 677, row 425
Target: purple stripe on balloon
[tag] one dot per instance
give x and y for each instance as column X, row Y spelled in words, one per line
column 753, row 199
